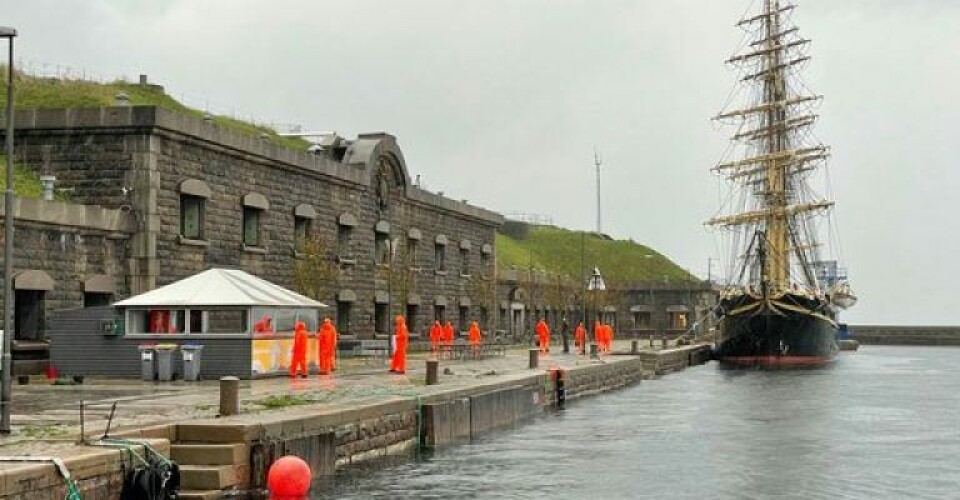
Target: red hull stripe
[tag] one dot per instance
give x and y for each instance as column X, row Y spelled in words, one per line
column 777, row 360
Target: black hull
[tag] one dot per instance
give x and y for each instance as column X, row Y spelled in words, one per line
column 753, row 334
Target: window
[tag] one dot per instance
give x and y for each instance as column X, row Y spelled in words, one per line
column 464, row 323
column 678, row 320
column 484, row 260
column 440, row 257
column 343, row 241
column 96, row 299
column 301, row 231
column 502, row 323
column 343, row 317
column 484, row 316
column 381, row 320
column 28, row 312
column 411, row 256
column 412, row 312
column 464, row 262
column 641, row 320
column 251, row 226
column 440, row 314
column 382, row 249
column 191, row 216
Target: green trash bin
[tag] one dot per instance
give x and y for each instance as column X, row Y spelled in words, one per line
column 164, row 355
column 191, row 361
column 148, row 368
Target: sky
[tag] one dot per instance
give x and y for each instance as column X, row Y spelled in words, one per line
column 502, row 102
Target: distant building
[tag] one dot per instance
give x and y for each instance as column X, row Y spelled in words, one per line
column 157, row 196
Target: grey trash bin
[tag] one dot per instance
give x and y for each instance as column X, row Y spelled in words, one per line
column 147, row 359
column 191, row 361
column 164, row 355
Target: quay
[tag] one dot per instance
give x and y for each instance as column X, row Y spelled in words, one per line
column 358, row 417
column 906, row 335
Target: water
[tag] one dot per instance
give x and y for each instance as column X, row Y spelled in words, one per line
column 880, row 423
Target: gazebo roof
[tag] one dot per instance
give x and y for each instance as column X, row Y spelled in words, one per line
column 221, row 288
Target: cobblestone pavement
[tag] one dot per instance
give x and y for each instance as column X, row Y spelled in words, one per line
column 46, row 416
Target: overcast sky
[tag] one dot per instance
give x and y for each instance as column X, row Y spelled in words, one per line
column 501, row 102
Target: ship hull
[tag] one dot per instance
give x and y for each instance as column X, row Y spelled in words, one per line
column 760, row 335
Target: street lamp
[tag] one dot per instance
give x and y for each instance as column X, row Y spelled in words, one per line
column 596, row 285
column 7, row 365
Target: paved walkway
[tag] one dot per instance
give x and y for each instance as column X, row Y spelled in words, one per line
column 47, row 416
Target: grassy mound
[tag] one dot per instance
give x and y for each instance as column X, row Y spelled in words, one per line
column 26, row 182
column 557, row 251
column 37, row 92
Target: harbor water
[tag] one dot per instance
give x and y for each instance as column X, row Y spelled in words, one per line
column 879, row 423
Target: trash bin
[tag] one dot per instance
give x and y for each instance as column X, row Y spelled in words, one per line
column 147, row 367
column 164, row 355
column 191, row 361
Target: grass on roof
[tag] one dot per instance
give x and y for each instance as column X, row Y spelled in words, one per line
column 31, row 92
column 557, row 250
column 26, row 182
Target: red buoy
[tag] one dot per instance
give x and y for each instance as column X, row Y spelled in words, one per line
column 289, row 476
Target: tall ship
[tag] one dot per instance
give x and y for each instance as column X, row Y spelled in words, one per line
column 779, row 303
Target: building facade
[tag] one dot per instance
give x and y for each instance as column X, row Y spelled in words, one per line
column 178, row 194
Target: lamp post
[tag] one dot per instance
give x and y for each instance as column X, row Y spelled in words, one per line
column 7, row 364
column 596, row 285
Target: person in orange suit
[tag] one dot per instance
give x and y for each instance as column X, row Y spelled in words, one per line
column 580, row 338
column 399, row 362
column 263, row 325
column 298, row 358
column 543, row 334
column 475, row 339
column 448, row 338
column 334, row 342
column 325, row 343
column 436, row 335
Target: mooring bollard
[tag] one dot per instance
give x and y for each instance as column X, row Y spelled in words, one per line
column 594, row 353
column 534, row 358
column 229, row 396
column 663, row 343
column 634, row 347
column 433, row 376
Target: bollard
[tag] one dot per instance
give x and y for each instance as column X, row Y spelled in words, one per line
column 229, row 396
column 634, row 347
column 594, row 354
column 432, row 372
column 534, row 358
column 663, row 343
column 651, row 341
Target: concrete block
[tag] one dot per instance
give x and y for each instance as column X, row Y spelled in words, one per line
column 211, row 477
column 196, row 432
column 210, row 454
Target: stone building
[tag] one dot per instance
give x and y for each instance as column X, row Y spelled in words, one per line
column 635, row 310
column 156, row 196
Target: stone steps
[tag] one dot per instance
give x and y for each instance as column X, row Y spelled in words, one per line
column 209, row 454
column 200, row 495
column 212, row 477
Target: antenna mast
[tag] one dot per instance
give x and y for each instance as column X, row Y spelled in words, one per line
column 597, row 162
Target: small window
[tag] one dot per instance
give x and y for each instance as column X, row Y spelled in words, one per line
column 464, row 323
column 440, row 257
column 484, row 316
column 251, row 226
column 343, row 317
column 343, row 241
column 464, row 262
column 502, row 323
column 301, row 231
column 641, row 320
column 28, row 314
column 484, row 261
column 440, row 314
column 412, row 313
column 96, row 299
column 412, row 246
column 381, row 321
column 382, row 249
column 191, row 216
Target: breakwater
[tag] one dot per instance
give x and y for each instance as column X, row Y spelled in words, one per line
column 906, row 335
column 234, row 453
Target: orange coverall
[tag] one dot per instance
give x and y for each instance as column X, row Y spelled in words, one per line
column 609, row 337
column 298, row 358
column 399, row 362
column 543, row 333
column 475, row 338
column 580, row 338
column 448, row 337
column 436, row 334
column 325, row 346
column 598, row 335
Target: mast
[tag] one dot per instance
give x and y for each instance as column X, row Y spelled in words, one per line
column 778, row 155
